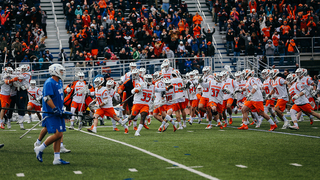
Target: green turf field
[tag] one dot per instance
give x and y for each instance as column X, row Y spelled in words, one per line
column 216, row 153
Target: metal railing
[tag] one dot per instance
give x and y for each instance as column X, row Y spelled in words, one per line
column 308, row 45
column 56, row 25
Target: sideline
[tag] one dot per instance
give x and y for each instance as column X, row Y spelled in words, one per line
column 154, row 155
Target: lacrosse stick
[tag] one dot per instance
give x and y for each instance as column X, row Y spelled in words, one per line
column 34, row 97
column 227, row 67
column 33, row 127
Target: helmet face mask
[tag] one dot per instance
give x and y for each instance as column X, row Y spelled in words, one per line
column 265, row 73
column 142, row 71
column 98, row 81
column 192, row 75
column 167, row 81
column 109, row 84
column 33, row 83
column 133, row 66
column 291, row 78
column 148, row 79
column 239, row 75
column 57, row 70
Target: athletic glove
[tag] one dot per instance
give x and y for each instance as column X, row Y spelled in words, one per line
column 23, row 87
column 92, row 104
column 68, row 90
column 134, row 91
column 296, row 96
column 57, row 111
column 39, row 99
column 313, row 93
column 200, row 80
column 226, row 91
column 169, row 87
column 268, row 96
column 66, row 115
column 238, row 91
column 249, row 96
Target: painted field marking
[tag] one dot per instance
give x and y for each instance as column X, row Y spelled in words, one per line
column 315, row 127
column 176, row 167
column 241, row 166
column 35, row 129
column 154, row 155
column 77, row 172
column 98, row 126
column 20, row 174
column 221, row 130
column 29, row 137
column 295, row 164
column 133, row 170
column 8, row 130
column 189, row 131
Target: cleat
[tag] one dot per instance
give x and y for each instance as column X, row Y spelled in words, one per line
column 245, row 127
column 145, row 126
column 165, row 127
column 209, row 126
column 117, row 124
column 116, row 129
column 1, row 126
column 36, row 144
column 219, row 124
column 64, row 150
column 230, row 121
column 258, row 124
column 9, row 124
column 221, row 127
column 184, row 126
column 180, row 128
column 253, row 123
column 91, row 130
column 126, row 130
column 137, row 134
column 135, row 128
column 294, row 127
column 80, row 126
column 160, row 129
column 285, row 125
column 71, row 127
column 190, row 122
column 22, row 127
column 29, row 121
column 225, row 125
column 273, row 127
column 60, row 161
column 149, row 121
column 38, row 154
column 311, row 122
column 199, row 121
column 125, row 122
column 130, row 123
column 174, row 128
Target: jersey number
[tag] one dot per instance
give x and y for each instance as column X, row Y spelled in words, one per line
column 99, row 100
column 179, row 85
column 267, row 90
column 146, row 97
column 215, row 92
column 276, row 90
column 169, row 98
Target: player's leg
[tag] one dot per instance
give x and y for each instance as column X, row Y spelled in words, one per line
column 56, row 148
column 116, row 118
column 142, row 123
column 229, row 110
column 293, row 114
column 42, row 134
column 168, row 118
column 74, row 106
column 5, row 103
column 63, row 149
column 245, row 112
column 260, row 109
column 280, row 107
column 29, row 108
column 22, row 95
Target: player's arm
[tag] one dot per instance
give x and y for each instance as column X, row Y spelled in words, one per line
column 302, row 92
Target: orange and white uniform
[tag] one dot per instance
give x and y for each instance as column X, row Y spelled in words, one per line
column 231, row 85
column 241, row 97
column 192, row 92
column 34, row 93
column 142, row 100
column 158, row 98
column 256, row 102
column 103, row 95
column 281, row 93
column 167, row 74
column 79, row 98
column 179, row 94
column 216, row 94
column 307, row 83
column 126, row 76
column 5, row 91
column 267, row 87
column 25, row 79
column 302, row 103
column 206, row 92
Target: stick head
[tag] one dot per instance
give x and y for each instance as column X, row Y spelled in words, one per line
column 227, row 67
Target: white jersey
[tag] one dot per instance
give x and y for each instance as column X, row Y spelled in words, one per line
column 24, row 79
column 257, row 96
column 307, row 84
column 192, row 91
column 6, row 88
column 79, row 97
column 158, row 95
column 144, row 96
column 241, row 84
column 267, row 86
column 170, row 95
column 296, row 88
column 206, row 92
column 178, row 83
column 103, row 95
column 33, row 94
column 215, row 89
column 167, row 74
column 231, row 85
column 280, row 88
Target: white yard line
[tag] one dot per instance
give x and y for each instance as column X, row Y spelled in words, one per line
column 133, row 170
column 175, row 167
column 77, row 172
column 20, row 174
column 155, row 155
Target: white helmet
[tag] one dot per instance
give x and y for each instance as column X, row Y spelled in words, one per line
column 265, row 73
column 33, row 83
column 239, row 75
column 199, row 87
column 176, row 73
column 157, row 75
column 196, row 72
column 135, row 74
column 301, row 72
column 8, row 70
column 219, row 76
column 291, row 78
column 247, row 72
column 132, row 66
column 192, row 75
column 142, row 71
column 166, row 64
column 80, row 75
column 148, row 79
column 225, row 75
column 98, row 81
column 110, row 84
column 57, row 70
column 274, row 73
column 25, row 68
column 167, row 81
column 206, row 70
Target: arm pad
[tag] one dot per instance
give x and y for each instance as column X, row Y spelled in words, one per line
column 46, row 98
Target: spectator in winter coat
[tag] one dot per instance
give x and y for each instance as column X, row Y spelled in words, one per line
column 195, row 46
column 269, row 48
column 209, row 34
column 188, row 65
column 169, row 53
column 210, row 49
column 203, row 47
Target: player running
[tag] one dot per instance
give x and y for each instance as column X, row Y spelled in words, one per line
column 35, row 96
column 267, row 87
column 192, row 92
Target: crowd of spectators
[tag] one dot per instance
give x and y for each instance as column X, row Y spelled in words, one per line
column 23, row 33
column 268, row 28
column 133, row 31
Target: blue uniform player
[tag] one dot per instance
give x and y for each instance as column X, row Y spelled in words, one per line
column 52, row 103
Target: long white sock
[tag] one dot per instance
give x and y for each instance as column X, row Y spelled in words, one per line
column 94, row 128
column 136, row 118
column 284, row 118
column 162, row 124
column 125, row 126
column 42, row 147
column 184, row 121
column 271, row 122
column 230, row 116
column 217, row 121
column 168, row 118
column 296, row 124
column 172, row 122
column 139, row 128
column 147, row 117
column 113, row 123
column 56, row 155
column 210, row 123
column 1, row 120
column 38, row 141
column 30, row 117
column 191, row 119
column 311, row 117
column 134, row 123
column 180, row 124
column 227, row 120
column 255, row 114
column 71, row 122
